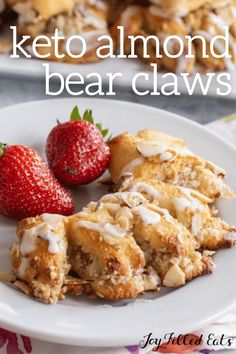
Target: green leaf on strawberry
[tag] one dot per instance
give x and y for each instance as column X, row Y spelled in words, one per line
column 2, row 147
column 75, row 115
column 88, row 117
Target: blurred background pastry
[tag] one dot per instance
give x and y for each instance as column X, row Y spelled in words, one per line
column 85, row 18
column 91, row 19
column 184, row 7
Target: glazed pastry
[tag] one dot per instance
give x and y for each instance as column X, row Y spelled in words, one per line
column 71, row 17
column 131, row 19
column 45, row 9
column 183, row 7
column 149, row 158
column 39, row 259
column 145, row 21
column 161, row 237
column 208, row 25
column 188, row 206
column 103, row 252
column 163, row 27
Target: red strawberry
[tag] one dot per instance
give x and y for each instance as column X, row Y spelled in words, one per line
column 27, row 186
column 76, row 150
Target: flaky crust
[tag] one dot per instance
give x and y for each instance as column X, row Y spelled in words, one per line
column 168, row 246
column 46, row 9
column 144, row 21
column 183, row 7
column 176, row 271
column 182, row 167
column 189, row 207
column 110, row 264
column 44, row 272
column 166, row 236
column 85, row 18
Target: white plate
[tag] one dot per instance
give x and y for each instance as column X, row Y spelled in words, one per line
column 95, row 323
column 31, row 68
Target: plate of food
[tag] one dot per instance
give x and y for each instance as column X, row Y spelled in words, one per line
column 90, row 20
column 104, row 261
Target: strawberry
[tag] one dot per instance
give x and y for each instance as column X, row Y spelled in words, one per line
column 76, row 150
column 27, row 186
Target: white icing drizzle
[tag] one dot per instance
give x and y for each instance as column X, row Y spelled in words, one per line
column 191, row 203
column 148, row 217
column 129, row 168
column 24, row 265
column 146, row 188
column 54, row 242
column 193, row 193
column 128, row 13
column 52, row 219
column 90, row 16
column 83, row 214
column 90, row 38
column 96, row 22
column 43, row 230
column 165, row 156
column 220, row 47
column 150, row 149
column 28, row 242
column 103, row 228
column 164, row 212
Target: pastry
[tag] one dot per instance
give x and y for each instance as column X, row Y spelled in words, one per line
column 145, row 156
column 39, row 259
column 103, row 252
column 144, row 21
column 163, row 239
column 84, row 18
column 209, row 25
column 158, row 228
column 163, row 27
column 183, row 7
column 188, row 206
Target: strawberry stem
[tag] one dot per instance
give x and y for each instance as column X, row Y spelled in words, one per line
column 75, row 115
column 2, row 148
column 88, row 117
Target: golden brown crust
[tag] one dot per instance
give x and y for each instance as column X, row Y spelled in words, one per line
column 46, row 9
column 111, row 264
column 188, row 207
column 149, row 233
column 182, row 167
column 183, row 7
column 166, row 236
column 88, row 19
column 176, row 271
column 38, row 261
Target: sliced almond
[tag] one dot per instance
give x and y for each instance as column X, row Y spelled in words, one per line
column 9, row 278
column 174, row 277
column 23, row 287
